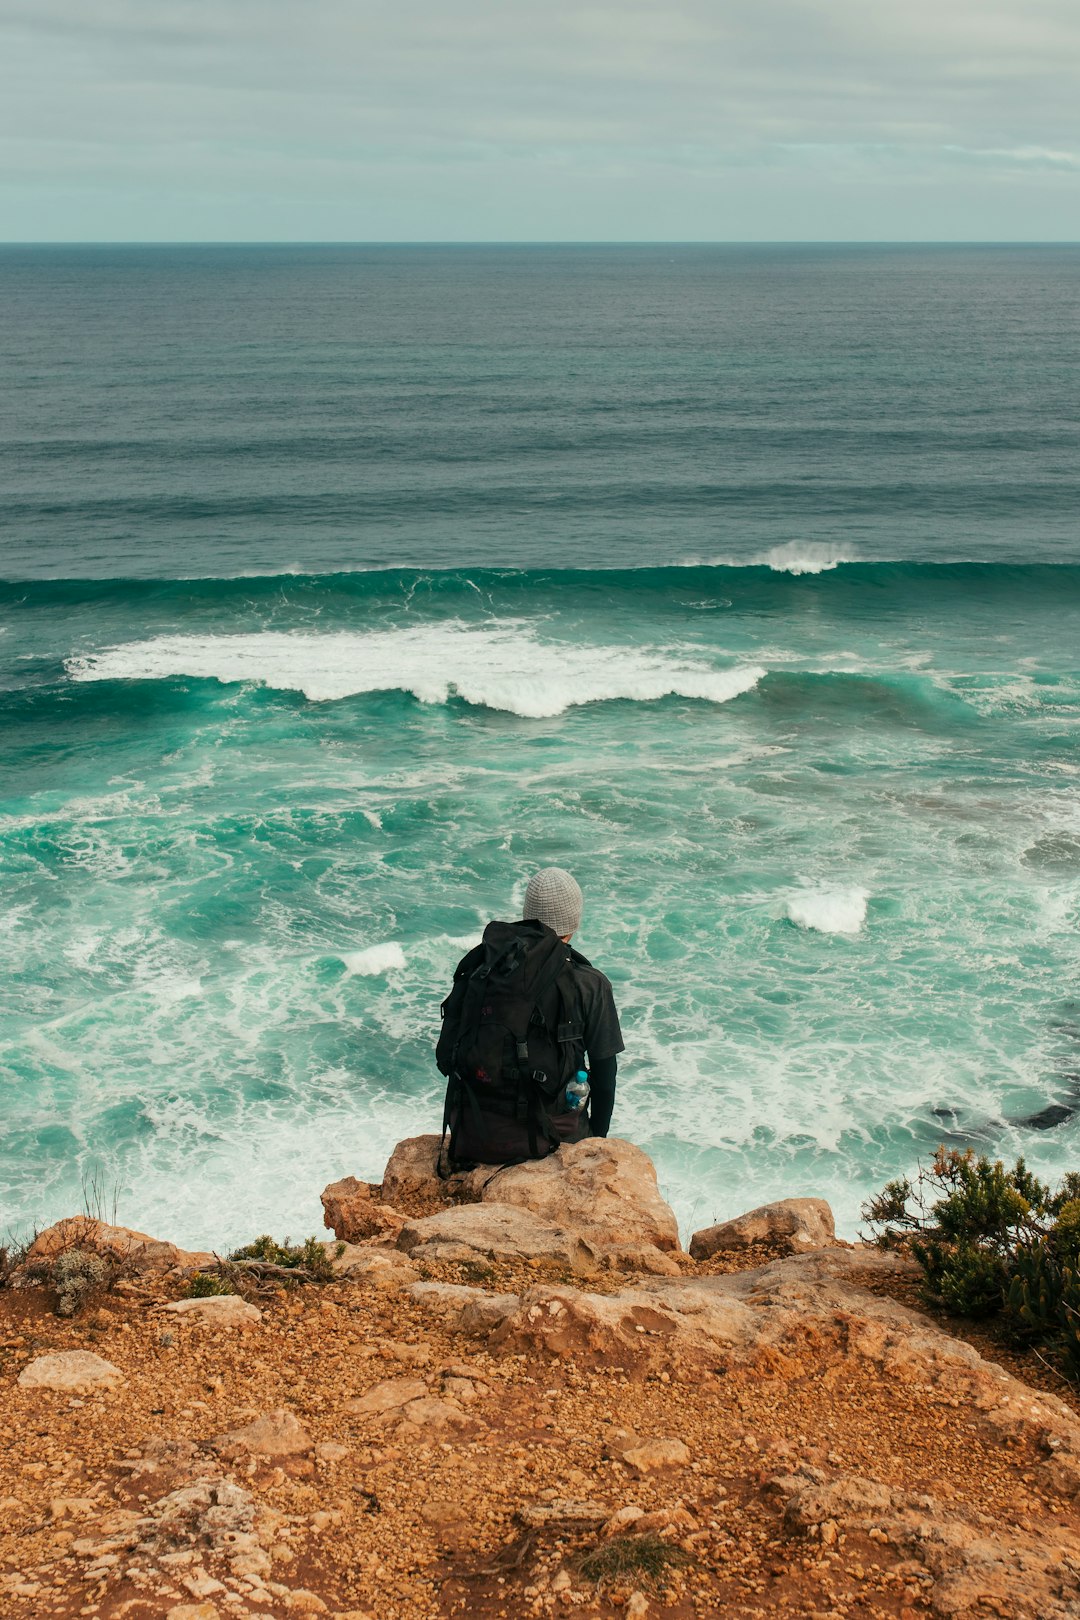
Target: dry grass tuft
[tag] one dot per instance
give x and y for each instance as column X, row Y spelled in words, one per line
column 645, row 1560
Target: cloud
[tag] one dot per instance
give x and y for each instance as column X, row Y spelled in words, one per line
column 200, row 96
column 1040, row 156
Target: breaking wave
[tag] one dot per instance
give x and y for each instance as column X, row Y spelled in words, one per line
column 829, row 911
column 800, row 558
column 505, row 668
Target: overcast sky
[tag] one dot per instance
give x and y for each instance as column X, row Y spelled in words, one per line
column 375, row 120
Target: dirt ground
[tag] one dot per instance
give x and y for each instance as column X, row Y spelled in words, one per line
column 374, row 1523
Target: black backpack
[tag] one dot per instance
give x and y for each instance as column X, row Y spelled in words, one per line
column 506, row 1058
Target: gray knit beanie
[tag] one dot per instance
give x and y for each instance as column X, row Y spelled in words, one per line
column 555, row 899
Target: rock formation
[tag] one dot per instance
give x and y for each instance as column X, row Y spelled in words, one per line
column 118, row 1243
column 798, row 1224
column 600, row 1194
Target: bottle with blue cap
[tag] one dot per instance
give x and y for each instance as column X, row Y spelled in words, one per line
column 577, row 1091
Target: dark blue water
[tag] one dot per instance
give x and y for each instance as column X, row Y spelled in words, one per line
column 225, row 410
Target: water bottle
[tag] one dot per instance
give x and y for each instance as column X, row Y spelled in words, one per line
column 577, row 1092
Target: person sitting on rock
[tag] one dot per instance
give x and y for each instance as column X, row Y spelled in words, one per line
column 530, row 1036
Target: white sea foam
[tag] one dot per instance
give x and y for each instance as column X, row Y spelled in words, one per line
column 793, row 557
column 803, row 557
column 376, row 959
column 506, row 668
column 828, row 911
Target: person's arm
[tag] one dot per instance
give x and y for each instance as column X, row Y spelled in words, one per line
column 602, row 1098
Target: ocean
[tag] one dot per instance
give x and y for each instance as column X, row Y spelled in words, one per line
column 341, row 587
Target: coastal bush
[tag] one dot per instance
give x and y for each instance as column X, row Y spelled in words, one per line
column 992, row 1242
column 205, row 1285
column 308, row 1260
column 76, row 1275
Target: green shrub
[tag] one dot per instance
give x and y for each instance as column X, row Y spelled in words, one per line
column 309, row 1258
column 992, row 1241
column 963, row 1276
column 205, row 1285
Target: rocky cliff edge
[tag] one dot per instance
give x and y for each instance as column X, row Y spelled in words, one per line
column 519, row 1395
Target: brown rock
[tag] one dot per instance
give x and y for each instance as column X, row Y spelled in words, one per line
column 665, row 1519
column 410, row 1355
column 460, row 1389
column 70, row 1372
column 277, row 1434
column 639, row 1257
column 800, row 1223
column 653, row 1454
column 428, row 1414
column 604, row 1189
column 217, row 1311
column 494, row 1232
column 472, row 1310
column 352, row 1213
column 301, row 1601
column 386, row 1268
column 119, row 1243
column 411, row 1176
column 604, row 1192
column 564, row 1513
column 623, row 1520
column 331, row 1451
column 439, row 1510
column 389, row 1396
column 71, row 1507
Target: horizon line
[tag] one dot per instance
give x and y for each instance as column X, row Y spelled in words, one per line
column 610, row 242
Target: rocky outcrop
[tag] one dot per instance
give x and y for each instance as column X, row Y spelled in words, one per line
column 811, row 1446
column 495, row 1232
column 603, row 1192
column 789, row 1319
column 354, row 1214
column 797, row 1224
column 975, row 1568
column 411, row 1180
column 603, row 1188
column 121, row 1244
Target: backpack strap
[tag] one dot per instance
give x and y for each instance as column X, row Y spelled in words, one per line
column 571, row 1025
column 458, row 1097
column 553, row 974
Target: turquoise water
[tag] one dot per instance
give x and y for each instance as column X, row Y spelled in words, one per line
column 810, row 746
